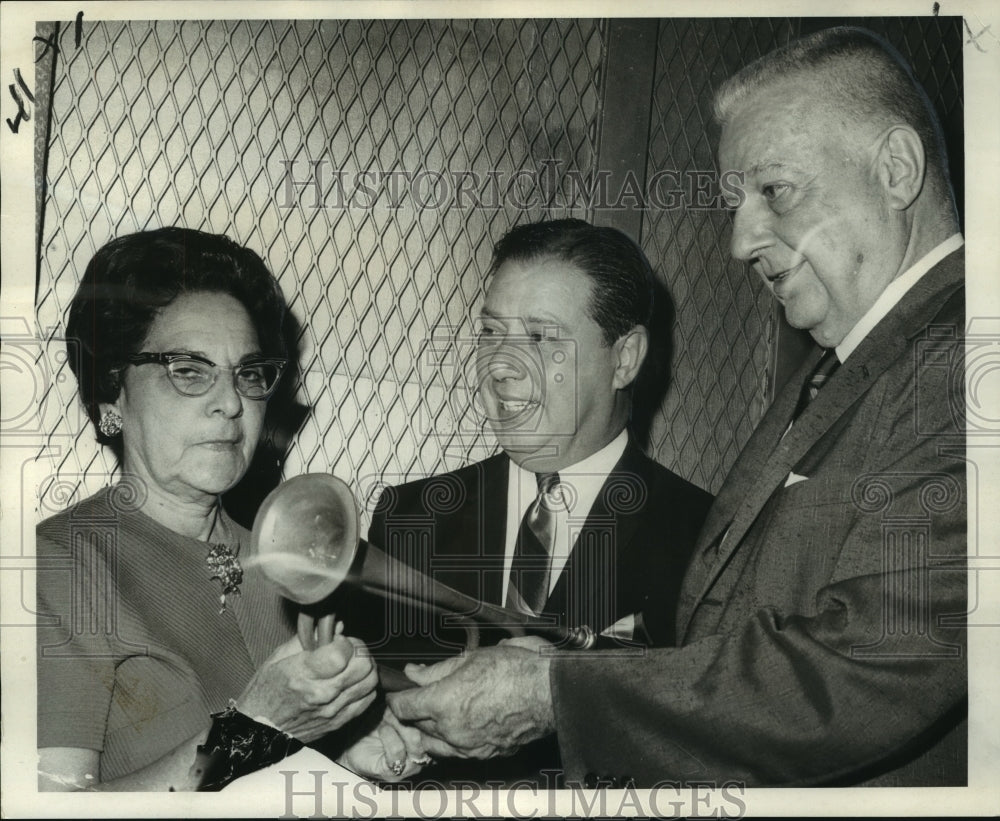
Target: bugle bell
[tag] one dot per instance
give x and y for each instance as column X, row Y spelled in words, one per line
column 305, row 539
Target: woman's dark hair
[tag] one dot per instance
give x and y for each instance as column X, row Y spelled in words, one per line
column 132, row 278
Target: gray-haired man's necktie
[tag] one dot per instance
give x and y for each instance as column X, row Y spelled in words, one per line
column 821, row 374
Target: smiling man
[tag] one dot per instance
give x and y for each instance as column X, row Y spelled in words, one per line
column 571, row 520
column 568, row 520
column 821, row 622
column 554, row 383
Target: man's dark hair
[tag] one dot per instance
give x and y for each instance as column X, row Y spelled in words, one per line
column 861, row 74
column 622, row 293
column 131, row 278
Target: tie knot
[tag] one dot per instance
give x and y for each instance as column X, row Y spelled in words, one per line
column 827, row 364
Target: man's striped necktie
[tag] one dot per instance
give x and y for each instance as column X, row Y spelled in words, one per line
column 528, row 588
column 825, row 368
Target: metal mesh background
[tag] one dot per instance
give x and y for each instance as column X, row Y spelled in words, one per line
column 189, row 123
column 193, row 123
column 722, row 331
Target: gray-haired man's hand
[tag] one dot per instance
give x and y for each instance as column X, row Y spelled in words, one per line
column 485, row 704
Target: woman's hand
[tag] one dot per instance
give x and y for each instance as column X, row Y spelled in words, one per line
column 309, row 693
column 390, row 752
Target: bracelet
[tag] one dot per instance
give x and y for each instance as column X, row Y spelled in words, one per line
column 238, row 745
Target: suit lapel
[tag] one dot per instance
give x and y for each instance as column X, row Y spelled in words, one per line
column 491, row 526
column 745, row 473
column 844, row 388
column 764, row 465
column 629, row 480
column 739, row 495
column 629, row 477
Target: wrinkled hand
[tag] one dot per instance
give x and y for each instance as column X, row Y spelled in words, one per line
column 487, row 703
column 390, row 752
column 308, row 693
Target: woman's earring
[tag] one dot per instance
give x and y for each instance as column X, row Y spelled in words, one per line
column 110, row 424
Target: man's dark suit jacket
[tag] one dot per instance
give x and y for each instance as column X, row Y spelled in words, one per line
column 821, row 622
column 629, row 557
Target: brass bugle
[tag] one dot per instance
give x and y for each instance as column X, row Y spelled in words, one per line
column 305, row 539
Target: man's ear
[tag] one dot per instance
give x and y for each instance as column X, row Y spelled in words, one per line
column 630, row 348
column 901, row 166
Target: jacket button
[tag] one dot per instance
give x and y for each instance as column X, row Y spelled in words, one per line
column 590, row 781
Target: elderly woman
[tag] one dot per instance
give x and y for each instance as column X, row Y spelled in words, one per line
column 166, row 662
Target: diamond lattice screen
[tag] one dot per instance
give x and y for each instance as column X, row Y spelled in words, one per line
column 295, row 138
column 221, row 126
column 723, row 323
